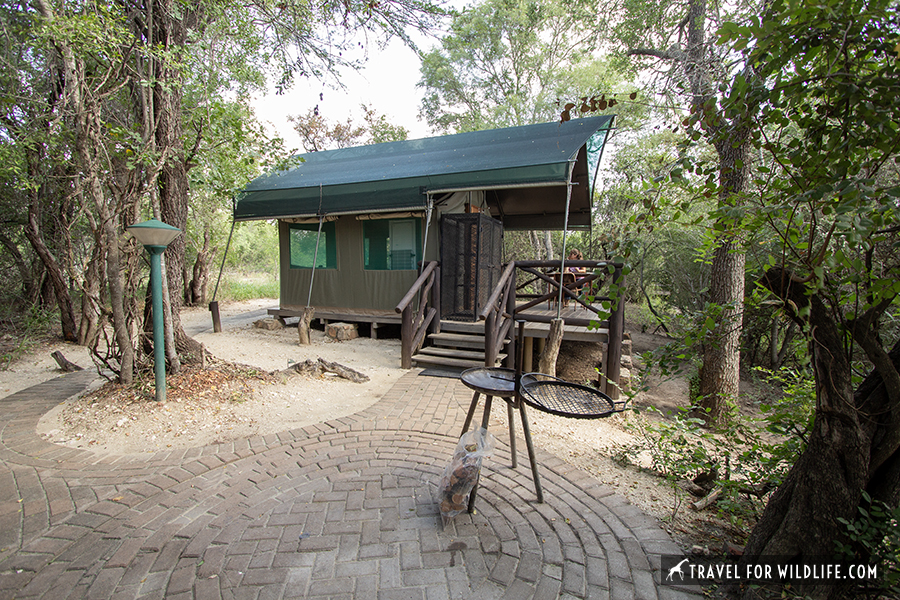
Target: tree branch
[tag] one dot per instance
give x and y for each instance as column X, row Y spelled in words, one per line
column 673, row 53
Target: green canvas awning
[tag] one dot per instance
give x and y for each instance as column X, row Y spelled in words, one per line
column 524, row 171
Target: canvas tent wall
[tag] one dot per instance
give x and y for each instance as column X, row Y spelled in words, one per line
column 519, row 175
column 355, row 267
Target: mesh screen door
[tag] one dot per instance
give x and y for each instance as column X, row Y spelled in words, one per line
column 471, row 255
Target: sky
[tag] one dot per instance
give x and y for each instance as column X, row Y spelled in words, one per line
column 387, row 83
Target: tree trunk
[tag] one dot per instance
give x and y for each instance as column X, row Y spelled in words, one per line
column 172, row 358
column 171, row 32
column 29, row 285
column 536, row 244
column 547, row 360
column 200, row 275
column 849, row 431
column 303, row 334
column 54, row 271
column 94, row 279
column 720, row 375
column 87, row 144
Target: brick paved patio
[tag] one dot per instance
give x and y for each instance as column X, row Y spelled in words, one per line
column 343, row 509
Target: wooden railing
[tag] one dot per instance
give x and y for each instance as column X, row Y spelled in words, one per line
column 414, row 324
column 497, row 315
column 501, row 308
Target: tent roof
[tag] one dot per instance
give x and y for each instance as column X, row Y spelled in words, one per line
column 398, row 175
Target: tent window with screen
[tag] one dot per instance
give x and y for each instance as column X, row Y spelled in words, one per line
column 303, row 246
column 392, row 244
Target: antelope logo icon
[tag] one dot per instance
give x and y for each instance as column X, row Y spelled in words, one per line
column 676, row 569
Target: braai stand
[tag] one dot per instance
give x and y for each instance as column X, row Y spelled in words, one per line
column 543, row 392
column 501, row 383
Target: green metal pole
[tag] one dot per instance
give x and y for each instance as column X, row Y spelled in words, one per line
column 159, row 346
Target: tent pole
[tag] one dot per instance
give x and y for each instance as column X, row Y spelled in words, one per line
column 312, row 275
column 429, row 207
column 224, row 256
column 214, row 305
column 562, row 262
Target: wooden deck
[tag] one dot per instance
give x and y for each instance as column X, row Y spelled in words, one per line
column 535, row 329
column 578, row 333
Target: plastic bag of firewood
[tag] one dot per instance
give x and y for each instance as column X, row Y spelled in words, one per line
column 461, row 474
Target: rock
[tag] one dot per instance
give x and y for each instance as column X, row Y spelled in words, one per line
column 341, row 331
column 625, row 380
column 697, row 550
column 732, row 550
column 269, row 324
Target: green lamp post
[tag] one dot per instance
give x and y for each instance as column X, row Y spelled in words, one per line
column 155, row 236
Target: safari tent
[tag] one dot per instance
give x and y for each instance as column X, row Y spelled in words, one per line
column 356, row 223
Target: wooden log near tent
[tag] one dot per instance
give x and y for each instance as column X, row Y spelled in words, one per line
column 547, row 361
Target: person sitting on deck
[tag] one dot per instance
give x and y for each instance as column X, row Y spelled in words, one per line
column 575, row 254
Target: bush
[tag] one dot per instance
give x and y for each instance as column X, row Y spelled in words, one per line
column 875, row 538
column 248, row 286
column 752, row 454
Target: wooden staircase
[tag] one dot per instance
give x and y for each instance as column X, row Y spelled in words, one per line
column 457, row 347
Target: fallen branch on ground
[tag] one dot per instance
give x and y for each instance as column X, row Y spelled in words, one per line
column 709, row 499
column 320, row 366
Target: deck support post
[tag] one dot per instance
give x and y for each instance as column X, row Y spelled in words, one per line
column 436, row 301
column 511, row 312
column 490, row 343
column 406, row 338
column 612, row 362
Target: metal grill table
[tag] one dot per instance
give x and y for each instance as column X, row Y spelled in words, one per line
column 565, row 399
column 543, row 392
column 499, row 382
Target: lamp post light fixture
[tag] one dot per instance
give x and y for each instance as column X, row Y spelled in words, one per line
column 155, row 236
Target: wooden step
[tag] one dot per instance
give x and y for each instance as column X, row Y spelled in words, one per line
column 443, row 361
column 475, row 328
column 452, row 353
column 457, row 340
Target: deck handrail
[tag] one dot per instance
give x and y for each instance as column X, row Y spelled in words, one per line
column 568, row 290
column 498, row 289
column 414, row 323
column 497, row 315
column 498, row 322
column 416, row 286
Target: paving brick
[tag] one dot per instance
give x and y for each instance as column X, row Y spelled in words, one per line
column 182, row 580
column 415, row 593
column 125, row 553
column 43, row 581
column 331, row 587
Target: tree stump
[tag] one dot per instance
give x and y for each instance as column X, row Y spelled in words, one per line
column 64, row 363
column 547, row 361
column 303, row 326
